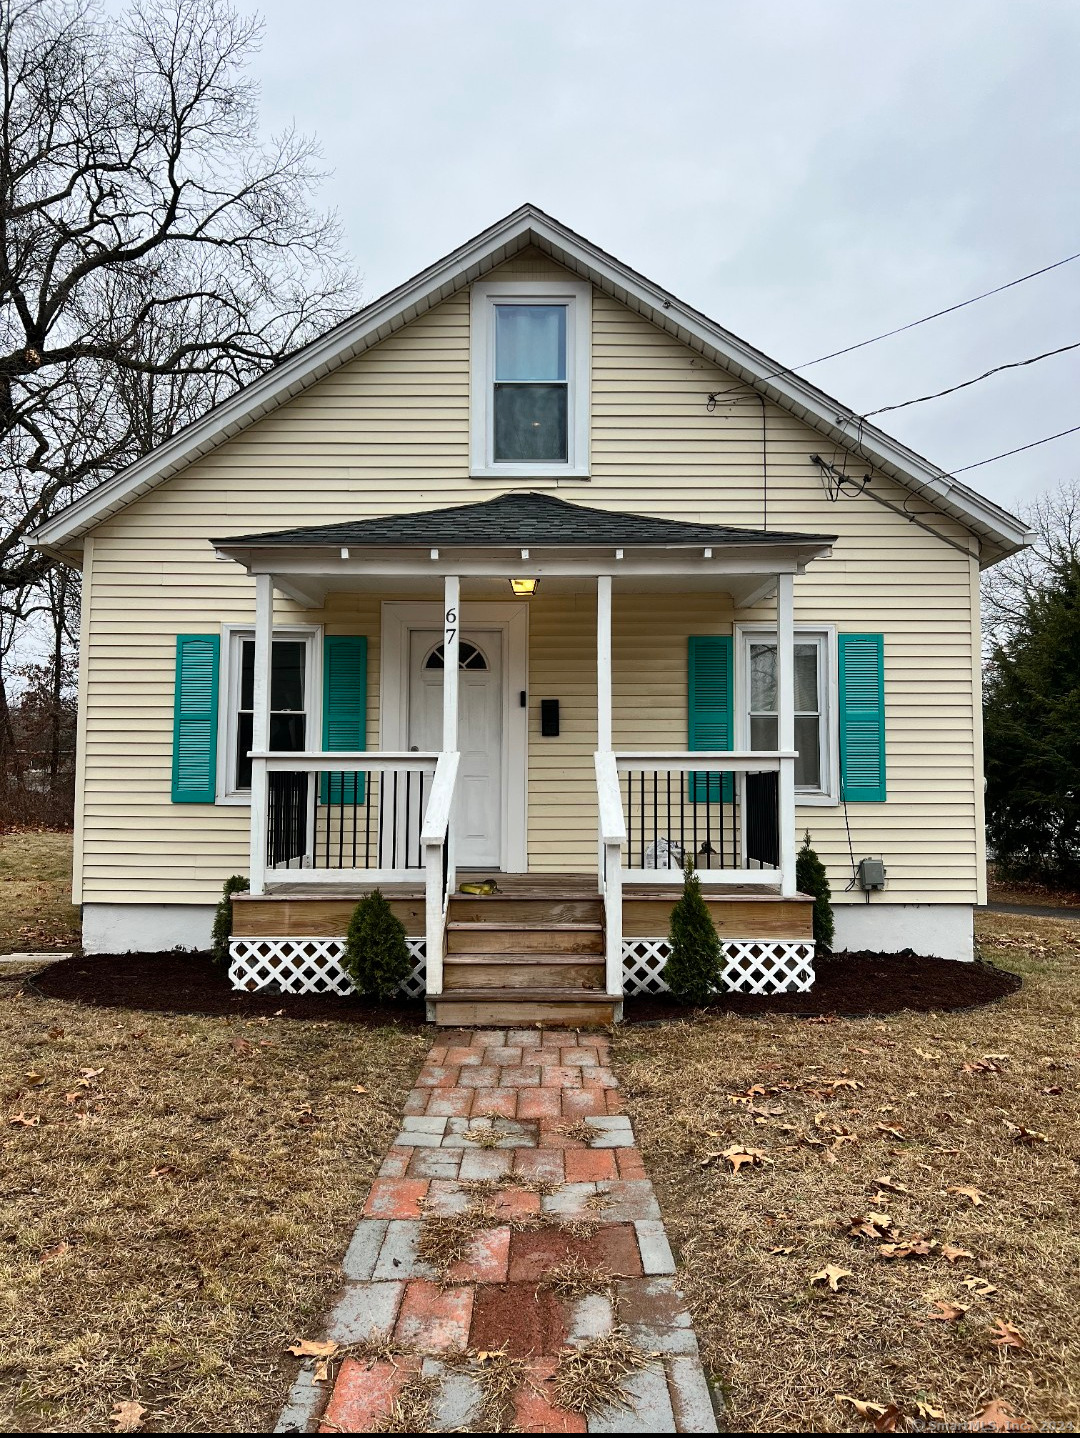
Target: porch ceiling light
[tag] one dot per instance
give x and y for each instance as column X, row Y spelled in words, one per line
column 524, row 588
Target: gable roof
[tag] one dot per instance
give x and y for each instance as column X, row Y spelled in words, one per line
column 520, row 518
column 1000, row 532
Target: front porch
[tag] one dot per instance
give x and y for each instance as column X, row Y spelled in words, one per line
column 330, row 823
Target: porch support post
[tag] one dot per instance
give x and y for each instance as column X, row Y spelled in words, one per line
column 260, row 728
column 451, row 650
column 785, row 705
column 603, row 662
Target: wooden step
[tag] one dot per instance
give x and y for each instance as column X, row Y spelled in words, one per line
column 522, row 971
column 526, row 908
column 565, row 1007
column 476, row 938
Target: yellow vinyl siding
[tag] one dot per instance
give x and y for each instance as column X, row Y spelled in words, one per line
column 389, row 432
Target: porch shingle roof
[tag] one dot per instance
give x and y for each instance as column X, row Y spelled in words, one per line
column 523, row 518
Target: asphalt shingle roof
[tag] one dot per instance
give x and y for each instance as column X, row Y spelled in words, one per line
column 522, row 518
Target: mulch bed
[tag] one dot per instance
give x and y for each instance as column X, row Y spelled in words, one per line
column 847, row 985
column 853, row 986
column 187, row 983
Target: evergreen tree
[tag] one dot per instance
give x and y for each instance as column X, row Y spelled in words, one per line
column 376, row 955
column 811, row 878
column 1032, row 734
column 693, row 971
column 222, row 931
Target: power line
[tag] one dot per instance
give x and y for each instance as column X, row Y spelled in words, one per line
column 914, row 324
column 1019, row 450
column 966, row 384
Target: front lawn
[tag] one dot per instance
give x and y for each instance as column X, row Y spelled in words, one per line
column 178, row 1192
column 943, row 1128
column 36, row 912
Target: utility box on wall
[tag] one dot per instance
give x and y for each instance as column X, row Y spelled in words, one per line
column 549, row 718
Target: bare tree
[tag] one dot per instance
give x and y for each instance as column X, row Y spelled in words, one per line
column 1054, row 519
column 155, row 254
column 146, row 235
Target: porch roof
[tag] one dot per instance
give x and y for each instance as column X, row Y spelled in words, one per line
column 524, row 518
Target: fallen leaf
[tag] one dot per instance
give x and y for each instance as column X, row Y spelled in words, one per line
column 162, row 1171
column 889, row 1421
column 359, row 1088
column 950, row 1252
column 978, row 1286
column 832, row 1275
column 1051, row 1092
column 913, row 1248
column 893, row 1132
column 928, row 1413
column 241, row 1046
column 35, row 1079
column 55, row 1034
column 891, row 1185
column 738, row 1156
column 57, row 1251
column 313, row 1348
column 863, row 1406
column 24, row 1120
column 128, row 1417
column 999, row 1416
column 975, row 1194
column 1028, row 1135
column 1006, row 1335
column 950, row 1312
column 783, row 1252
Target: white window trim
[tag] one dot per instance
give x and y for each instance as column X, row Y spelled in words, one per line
column 229, row 697
column 578, row 297
column 744, row 634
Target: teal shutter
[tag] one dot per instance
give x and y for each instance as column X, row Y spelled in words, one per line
column 861, row 682
column 195, row 719
column 710, row 708
column 344, row 717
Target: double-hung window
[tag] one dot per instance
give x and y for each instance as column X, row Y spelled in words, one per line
column 291, row 696
column 530, row 378
column 815, row 767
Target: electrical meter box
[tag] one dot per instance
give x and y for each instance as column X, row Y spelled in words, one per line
column 871, row 874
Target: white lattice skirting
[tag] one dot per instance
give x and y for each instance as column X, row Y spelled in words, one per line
column 307, row 966
column 751, row 966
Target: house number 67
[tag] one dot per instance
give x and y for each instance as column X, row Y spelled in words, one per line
column 450, row 627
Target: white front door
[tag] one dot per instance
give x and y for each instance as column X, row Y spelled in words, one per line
column 478, row 804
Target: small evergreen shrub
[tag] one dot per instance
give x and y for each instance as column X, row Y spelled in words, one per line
column 222, row 931
column 693, row 971
column 811, row 878
column 376, row 955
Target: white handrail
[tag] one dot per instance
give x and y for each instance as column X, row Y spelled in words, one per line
column 609, row 799
column 439, row 875
column 686, row 761
column 376, row 761
column 440, row 799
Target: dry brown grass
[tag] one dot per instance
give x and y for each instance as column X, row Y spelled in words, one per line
column 178, row 1196
column 590, row 1378
column 36, row 912
column 782, row 1347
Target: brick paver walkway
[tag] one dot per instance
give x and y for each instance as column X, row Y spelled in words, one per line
column 565, row 1184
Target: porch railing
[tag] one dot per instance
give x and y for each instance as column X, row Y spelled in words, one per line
column 370, row 818
column 732, row 811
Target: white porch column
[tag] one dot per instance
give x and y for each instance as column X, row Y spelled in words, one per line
column 451, row 650
column 260, row 727
column 603, row 662
column 785, row 705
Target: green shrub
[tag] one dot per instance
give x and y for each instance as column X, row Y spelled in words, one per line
column 693, row 971
column 376, row 955
column 811, row 878
column 222, row 930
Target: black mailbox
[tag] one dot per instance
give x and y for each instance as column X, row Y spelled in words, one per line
column 549, row 718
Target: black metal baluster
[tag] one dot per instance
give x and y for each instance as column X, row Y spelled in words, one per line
column 420, row 823
column 669, row 807
column 641, row 854
column 682, row 812
column 326, row 815
column 355, row 812
column 629, row 818
column 408, row 813
column 708, row 820
column 368, row 780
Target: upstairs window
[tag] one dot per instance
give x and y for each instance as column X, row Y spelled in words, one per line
column 530, row 373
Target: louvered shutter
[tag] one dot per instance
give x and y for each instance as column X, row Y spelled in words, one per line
column 710, row 708
column 195, row 719
column 861, row 682
column 344, row 721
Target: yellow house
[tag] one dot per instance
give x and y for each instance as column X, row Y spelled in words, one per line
column 530, row 572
